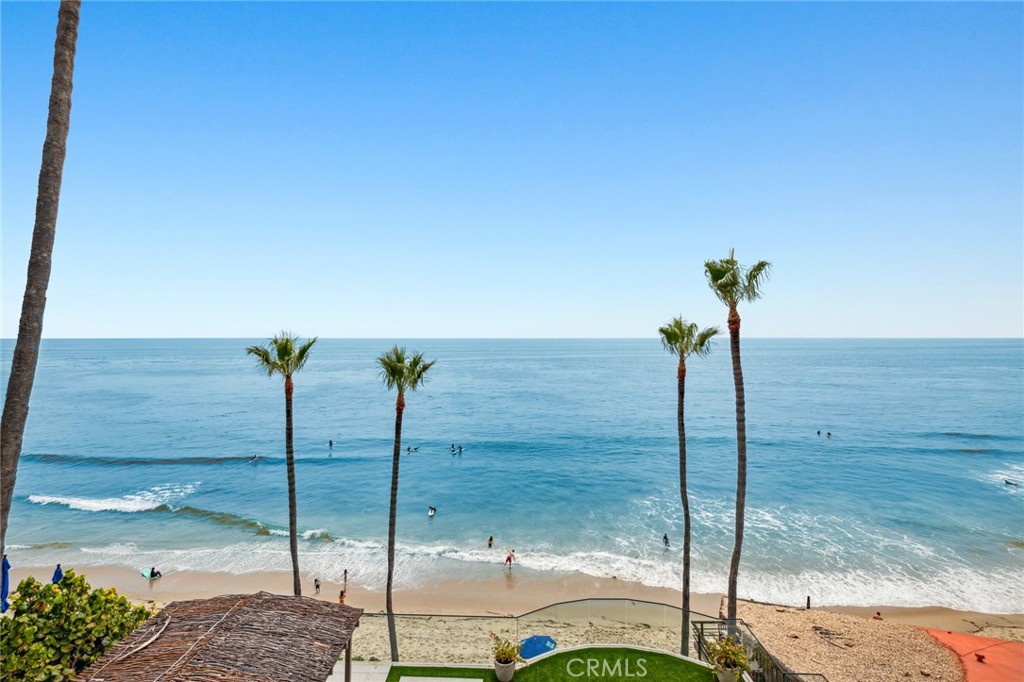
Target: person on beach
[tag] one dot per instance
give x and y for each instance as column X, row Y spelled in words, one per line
column 153, row 573
column 341, row 597
column 490, row 541
column 57, row 575
column 509, row 558
column 877, row 616
column 664, row 538
column 316, row 585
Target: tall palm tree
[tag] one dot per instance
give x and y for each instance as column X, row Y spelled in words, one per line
column 733, row 283
column 682, row 339
column 404, row 374
column 30, row 328
column 281, row 356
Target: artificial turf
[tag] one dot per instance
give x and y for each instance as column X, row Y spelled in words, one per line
column 584, row 665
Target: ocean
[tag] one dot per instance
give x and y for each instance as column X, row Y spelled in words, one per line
column 138, row 453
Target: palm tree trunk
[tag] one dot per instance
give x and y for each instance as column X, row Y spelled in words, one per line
column 684, row 494
column 399, row 409
column 741, row 460
column 289, row 453
column 30, row 328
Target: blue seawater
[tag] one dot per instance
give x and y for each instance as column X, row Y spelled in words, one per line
column 137, row 452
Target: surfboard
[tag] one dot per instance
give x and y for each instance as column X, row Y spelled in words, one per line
column 145, row 574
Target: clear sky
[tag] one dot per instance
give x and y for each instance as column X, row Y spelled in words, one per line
column 511, row 170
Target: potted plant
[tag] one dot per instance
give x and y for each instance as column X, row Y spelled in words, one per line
column 729, row 658
column 506, row 654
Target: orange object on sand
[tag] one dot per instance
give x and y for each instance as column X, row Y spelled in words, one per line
column 984, row 659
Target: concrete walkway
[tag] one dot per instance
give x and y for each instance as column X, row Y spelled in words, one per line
column 378, row 671
column 361, row 672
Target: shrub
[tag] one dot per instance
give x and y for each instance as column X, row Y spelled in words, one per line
column 506, row 651
column 55, row 631
column 727, row 654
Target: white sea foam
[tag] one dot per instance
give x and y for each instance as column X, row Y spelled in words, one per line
column 132, row 502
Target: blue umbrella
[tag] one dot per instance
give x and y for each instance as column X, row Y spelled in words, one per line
column 6, row 587
column 57, row 575
column 536, row 645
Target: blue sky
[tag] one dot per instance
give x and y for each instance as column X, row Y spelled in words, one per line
column 510, row 170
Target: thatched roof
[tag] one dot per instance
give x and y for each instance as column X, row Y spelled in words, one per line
column 253, row 637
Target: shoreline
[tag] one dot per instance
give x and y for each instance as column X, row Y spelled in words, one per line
column 512, row 594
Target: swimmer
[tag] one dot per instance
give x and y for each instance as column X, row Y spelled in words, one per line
column 664, row 538
column 490, row 541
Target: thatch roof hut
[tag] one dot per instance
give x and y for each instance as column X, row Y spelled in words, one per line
column 252, row 637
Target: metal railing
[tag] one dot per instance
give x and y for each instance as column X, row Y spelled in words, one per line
column 763, row 666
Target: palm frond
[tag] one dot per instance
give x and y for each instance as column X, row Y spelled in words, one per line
column 392, row 368
column 724, row 278
column 671, row 335
column 417, row 375
column 302, row 354
column 702, row 342
column 755, row 278
column 264, row 359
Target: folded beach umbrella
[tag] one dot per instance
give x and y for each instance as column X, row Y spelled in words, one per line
column 57, row 575
column 6, row 587
column 537, row 645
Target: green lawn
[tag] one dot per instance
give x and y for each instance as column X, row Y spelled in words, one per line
column 584, row 665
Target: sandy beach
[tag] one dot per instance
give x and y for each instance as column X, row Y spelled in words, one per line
column 844, row 643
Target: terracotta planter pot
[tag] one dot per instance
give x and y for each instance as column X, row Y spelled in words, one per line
column 504, row 671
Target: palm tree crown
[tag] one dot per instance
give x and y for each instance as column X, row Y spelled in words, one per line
column 682, row 339
column 733, row 282
column 402, row 372
column 280, row 356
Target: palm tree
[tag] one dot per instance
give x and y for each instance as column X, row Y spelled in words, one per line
column 733, row 283
column 405, row 374
column 682, row 339
column 30, row 328
column 280, row 356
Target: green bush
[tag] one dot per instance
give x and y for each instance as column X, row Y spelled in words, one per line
column 55, row 631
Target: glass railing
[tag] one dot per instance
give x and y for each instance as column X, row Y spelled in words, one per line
column 464, row 639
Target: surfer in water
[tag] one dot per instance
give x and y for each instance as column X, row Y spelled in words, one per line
column 431, row 511
column 1009, row 482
